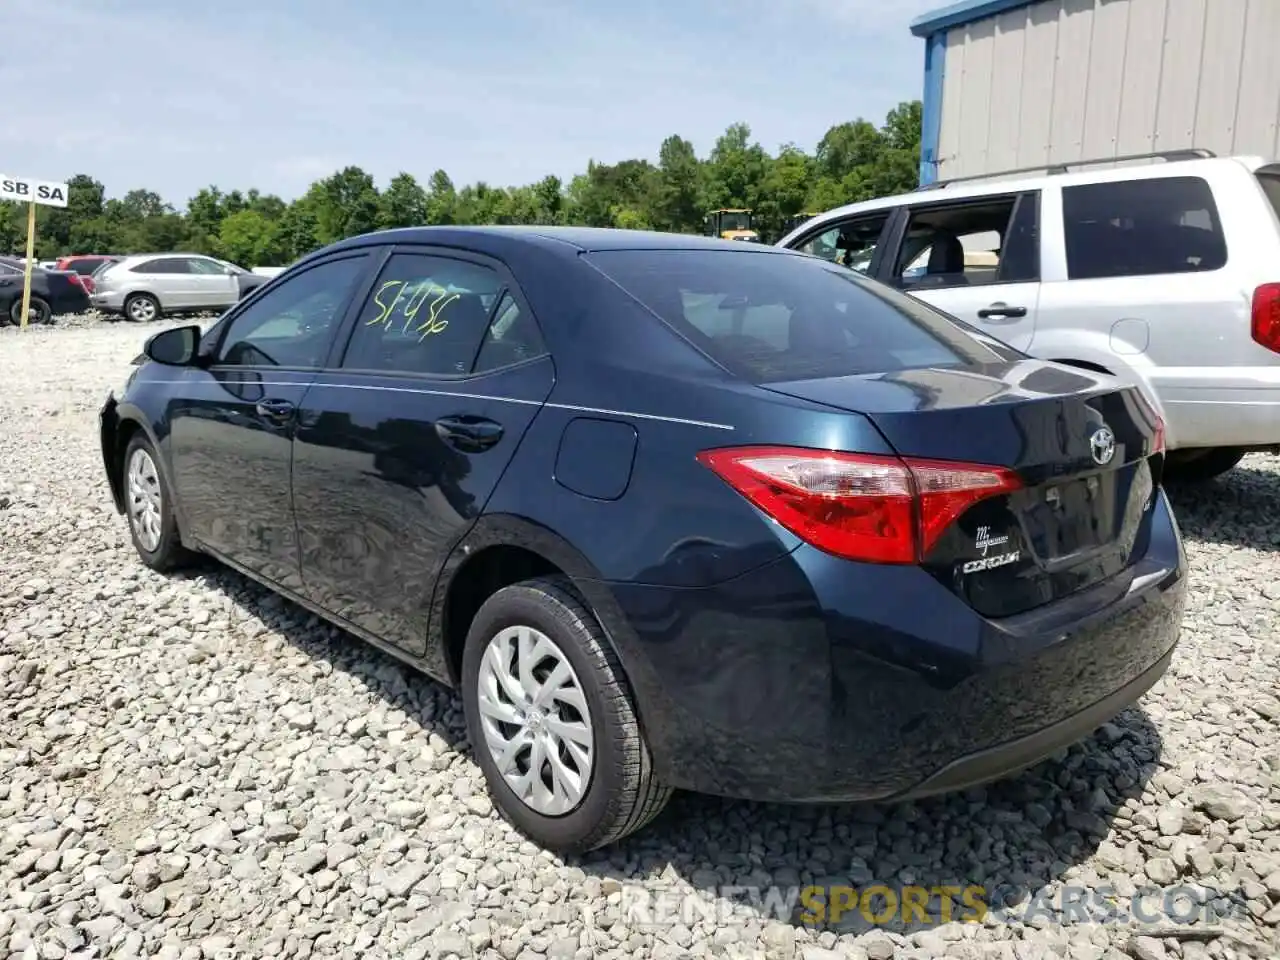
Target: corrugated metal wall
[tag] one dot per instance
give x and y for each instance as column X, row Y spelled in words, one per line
column 1065, row 80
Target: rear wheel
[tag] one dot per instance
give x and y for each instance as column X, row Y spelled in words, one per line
column 552, row 723
column 1198, row 466
column 39, row 311
column 142, row 308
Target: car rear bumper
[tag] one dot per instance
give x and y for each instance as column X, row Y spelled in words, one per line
column 798, row 682
column 109, row 302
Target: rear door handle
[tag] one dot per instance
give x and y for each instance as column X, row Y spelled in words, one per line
column 469, row 434
column 277, row 411
column 1001, row 310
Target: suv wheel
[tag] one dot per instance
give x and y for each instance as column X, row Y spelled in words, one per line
column 551, row 720
column 1198, row 466
column 142, row 308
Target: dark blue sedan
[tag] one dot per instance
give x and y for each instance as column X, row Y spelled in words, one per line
column 671, row 512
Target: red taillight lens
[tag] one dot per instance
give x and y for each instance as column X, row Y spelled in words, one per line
column 1266, row 316
column 861, row 507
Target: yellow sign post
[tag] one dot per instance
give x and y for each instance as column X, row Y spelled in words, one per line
column 31, row 259
column 45, row 192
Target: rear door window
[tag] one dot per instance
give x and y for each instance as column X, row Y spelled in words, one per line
column 163, row 265
column 970, row 244
column 774, row 317
column 425, row 315
column 1135, row 228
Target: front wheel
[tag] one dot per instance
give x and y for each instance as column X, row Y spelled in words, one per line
column 552, row 723
column 149, row 507
column 1199, row 466
column 142, row 308
column 38, row 312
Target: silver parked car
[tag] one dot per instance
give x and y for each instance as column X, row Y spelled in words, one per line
column 146, row 286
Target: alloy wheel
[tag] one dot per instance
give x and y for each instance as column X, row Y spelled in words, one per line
column 144, row 499
column 536, row 721
column 142, row 310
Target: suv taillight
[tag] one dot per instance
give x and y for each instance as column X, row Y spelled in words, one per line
column 1266, row 316
column 861, row 507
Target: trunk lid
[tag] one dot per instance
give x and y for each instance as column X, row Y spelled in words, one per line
column 1083, row 445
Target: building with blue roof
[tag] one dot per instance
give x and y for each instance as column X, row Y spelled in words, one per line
column 1013, row 84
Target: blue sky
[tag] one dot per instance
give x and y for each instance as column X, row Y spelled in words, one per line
column 173, row 95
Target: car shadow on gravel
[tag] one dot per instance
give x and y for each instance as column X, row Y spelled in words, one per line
column 1241, row 508
column 993, row 846
column 745, row 859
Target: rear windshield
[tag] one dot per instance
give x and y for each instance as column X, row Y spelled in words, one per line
column 1271, row 187
column 771, row 317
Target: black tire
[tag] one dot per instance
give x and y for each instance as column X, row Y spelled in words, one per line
column 623, row 794
column 39, row 307
column 1201, row 466
column 142, row 308
column 168, row 553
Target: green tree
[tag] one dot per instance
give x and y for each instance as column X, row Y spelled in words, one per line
column 854, row 160
column 676, row 204
column 346, row 205
column 251, row 239
column 404, row 204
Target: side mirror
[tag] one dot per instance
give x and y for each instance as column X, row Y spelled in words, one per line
column 174, row 348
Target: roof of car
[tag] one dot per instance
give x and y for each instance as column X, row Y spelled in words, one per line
column 570, row 239
column 997, row 184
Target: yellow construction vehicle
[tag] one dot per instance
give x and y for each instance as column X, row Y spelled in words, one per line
column 732, row 225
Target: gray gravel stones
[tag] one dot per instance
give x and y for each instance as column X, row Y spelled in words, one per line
column 192, row 768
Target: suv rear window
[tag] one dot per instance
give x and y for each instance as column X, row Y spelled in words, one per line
column 771, row 317
column 1135, row 228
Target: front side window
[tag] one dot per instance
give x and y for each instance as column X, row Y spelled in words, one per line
column 425, row 315
column 773, row 317
column 1135, row 228
column 851, row 244
column 292, row 324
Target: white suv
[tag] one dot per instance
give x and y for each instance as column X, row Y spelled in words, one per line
column 1164, row 271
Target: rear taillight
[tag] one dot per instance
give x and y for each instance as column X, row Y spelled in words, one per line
column 1266, row 316
column 872, row 508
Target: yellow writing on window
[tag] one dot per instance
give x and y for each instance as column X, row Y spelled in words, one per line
column 410, row 298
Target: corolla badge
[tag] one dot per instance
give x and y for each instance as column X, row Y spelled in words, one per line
column 1102, row 445
column 984, row 541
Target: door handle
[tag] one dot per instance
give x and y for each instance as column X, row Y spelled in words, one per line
column 469, row 434
column 278, row 411
column 1001, row 310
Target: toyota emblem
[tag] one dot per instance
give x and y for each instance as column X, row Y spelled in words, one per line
column 1103, row 446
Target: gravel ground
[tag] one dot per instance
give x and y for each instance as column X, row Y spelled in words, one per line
column 192, row 768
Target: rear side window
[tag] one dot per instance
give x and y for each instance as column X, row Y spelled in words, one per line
column 1271, row 187
column 771, row 317
column 1140, row 228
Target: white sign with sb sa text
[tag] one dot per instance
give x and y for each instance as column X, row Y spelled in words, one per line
column 45, row 192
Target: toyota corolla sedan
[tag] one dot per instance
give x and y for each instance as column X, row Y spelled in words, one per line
column 670, row 512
